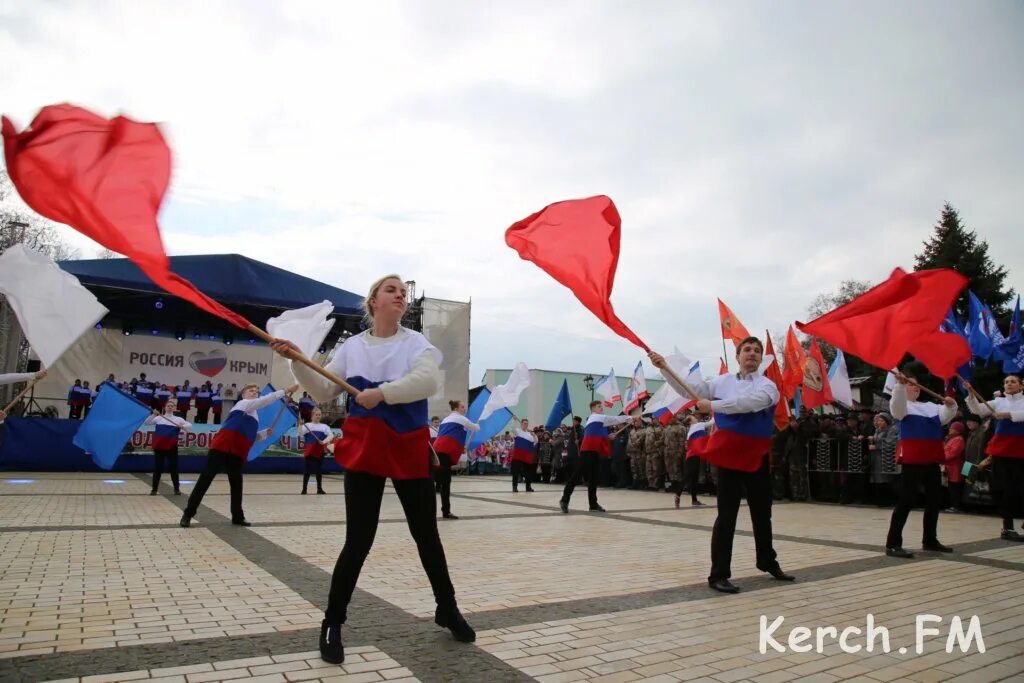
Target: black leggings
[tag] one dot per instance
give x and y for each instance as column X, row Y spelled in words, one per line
column 522, row 470
column 910, row 478
column 587, row 464
column 691, row 478
column 314, row 466
column 1009, row 472
column 443, row 476
column 363, row 494
column 217, row 462
column 172, row 466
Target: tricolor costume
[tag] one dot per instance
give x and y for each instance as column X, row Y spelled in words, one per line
column 184, row 396
column 596, row 444
column 696, row 440
column 920, row 451
column 391, row 440
column 524, row 455
column 1006, row 449
column 743, row 407
column 449, row 445
column 228, row 452
column 165, row 447
column 315, row 438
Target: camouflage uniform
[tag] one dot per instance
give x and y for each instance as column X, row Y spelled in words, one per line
column 675, row 449
column 654, row 449
column 635, row 451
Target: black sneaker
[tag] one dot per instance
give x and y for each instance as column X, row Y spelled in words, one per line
column 899, row 552
column 241, row 522
column 451, row 619
column 185, row 522
column 597, row 508
column 564, row 505
column 321, row 492
column 937, row 547
column 331, row 648
column 449, row 516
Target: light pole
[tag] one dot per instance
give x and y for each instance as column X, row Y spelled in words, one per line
column 588, row 382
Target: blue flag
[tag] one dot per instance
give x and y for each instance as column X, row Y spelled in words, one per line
column 1011, row 351
column 111, row 421
column 984, row 335
column 277, row 418
column 952, row 326
column 494, row 423
column 561, row 408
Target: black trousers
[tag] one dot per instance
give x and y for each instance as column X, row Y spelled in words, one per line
column 913, row 476
column 1010, row 473
column 314, row 466
column 443, row 477
column 522, row 470
column 216, row 418
column 691, row 478
column 586, row 465
column 75, row 412
column 172, row 466
column 545, row 473
column 363, row 494
column 202, row 415
column 732, row 484
column 217, row 462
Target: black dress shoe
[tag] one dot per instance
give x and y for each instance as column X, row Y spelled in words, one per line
column 304, row 492
column 597, row 508
column 321, row 492
column 331, row 649
column 937, row 547
column 564, row 505
column 899, row 552
column 451, row 619
column 529, row 489
column 185, row 522
column 724, row 586
column 152, row 493
column 241, row 522
column 1011, row 535
column 177, row 492
column 778, row 574
column 449, row 516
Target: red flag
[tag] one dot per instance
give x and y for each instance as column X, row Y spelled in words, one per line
column 774, row 373
column 577, row 243
column 899, row 316
column 817, row 391
column 106, row 179
column 796, row 361
column 723, row 369
column 732, row 328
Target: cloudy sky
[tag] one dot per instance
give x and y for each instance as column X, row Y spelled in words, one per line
column 760, row 152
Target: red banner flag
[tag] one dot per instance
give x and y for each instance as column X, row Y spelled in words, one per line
column 796, row 361
column 817, row 391
column 899, row 316
column 577, row 243
column 774, row 373
column 723, row 369
column 732, row 328
column 106, row 179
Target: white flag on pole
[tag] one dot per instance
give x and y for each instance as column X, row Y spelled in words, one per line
column 608, row 388
column 507, row 394
column 52, row 306
column 305, row 327
column 839, row 380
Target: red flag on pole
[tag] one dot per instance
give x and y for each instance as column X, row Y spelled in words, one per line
column 577, row 243
column 106, row 179
column 774, row 373
column 899, row 316
column 722, row 368
column 796, row 361
column 817, row 391
column 732, row 328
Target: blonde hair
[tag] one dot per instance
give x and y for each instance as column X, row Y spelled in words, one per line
column 254, row 386
column 367, row 309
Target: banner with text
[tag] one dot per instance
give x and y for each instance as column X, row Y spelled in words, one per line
column 170, row 361
column 196, row 441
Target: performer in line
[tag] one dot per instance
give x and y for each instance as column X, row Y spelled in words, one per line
column 696, row 438
column 524, row 457
column 204, row 401
column 165, row 443
column 385, row 435
column 596, row 444
column 1006, row 448
column 921, row 452
column 316, row 436
column 230, row 448
column 161, row 396
column 217, row 404
column 184, row 398
column 744, row 407
column 75, row 401
column 449, row 445
column 306, row 406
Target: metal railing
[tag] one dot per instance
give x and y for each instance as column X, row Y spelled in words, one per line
column 849, row 456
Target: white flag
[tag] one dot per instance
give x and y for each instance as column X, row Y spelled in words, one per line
column 507, row 394
column 666, row 396
column 53, row 307
column 890, row 383
column 305, row 327
column 839, row 380
column 608, row 388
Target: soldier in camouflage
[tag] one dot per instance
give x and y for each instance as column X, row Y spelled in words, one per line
column 635, row 451
column 654, row 450
column 675, row 449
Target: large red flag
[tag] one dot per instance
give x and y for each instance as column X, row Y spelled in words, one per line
column 899, row 316
column 577, row 243
column 732, row 328
column 106, row 179
column 796, row 361
column 817, row 391
column 774, row 373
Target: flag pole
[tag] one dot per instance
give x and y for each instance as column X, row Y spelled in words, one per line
column 306, row 361
column 725, row 354
column 21, row 395
column 680, row 381
column 926, row 390
column 979, row 397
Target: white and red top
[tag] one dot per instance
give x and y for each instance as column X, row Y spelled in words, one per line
column 240, row 430
column 1008, row 441
column 697, row 438
column 316, row 436
column 921, row 437
column 524, row 448
column 166, row 431
column 451, row 435
column 595, row 433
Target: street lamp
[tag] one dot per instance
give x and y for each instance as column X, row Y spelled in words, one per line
column 588, row 382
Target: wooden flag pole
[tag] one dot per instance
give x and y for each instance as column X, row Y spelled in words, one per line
column 974, row 392
column 668, row 368
column 926, row 390
column 21, row 395
column 306, row 361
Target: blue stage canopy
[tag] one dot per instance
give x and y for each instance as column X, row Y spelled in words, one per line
column 228, row 278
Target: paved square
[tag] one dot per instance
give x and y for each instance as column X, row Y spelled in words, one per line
column 98, row 583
